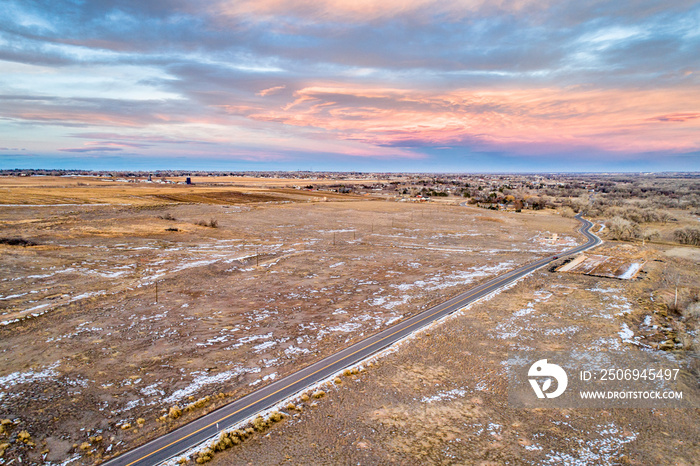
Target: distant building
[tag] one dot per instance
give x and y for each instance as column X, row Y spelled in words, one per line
column 188, row 180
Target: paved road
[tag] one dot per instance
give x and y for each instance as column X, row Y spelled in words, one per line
column 189, row 435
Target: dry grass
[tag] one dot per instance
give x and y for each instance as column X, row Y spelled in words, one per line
column 453, row 403
column 259, row 273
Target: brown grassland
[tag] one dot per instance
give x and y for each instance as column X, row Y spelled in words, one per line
column 138, row 307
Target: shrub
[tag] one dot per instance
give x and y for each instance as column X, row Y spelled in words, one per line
column 567, row 212
column 650, row 234
column 692, row 311
column 175, row 412
column 688, row 235
column 260, row 424
column 224, row 442
column 291, row 406
column 337, row 381
column 17, row 242
column 276, row 416
column 205, row 456
column 212, row 223
column 126, row 426
column 319, row 394
column 198, row 404
column 304, row 397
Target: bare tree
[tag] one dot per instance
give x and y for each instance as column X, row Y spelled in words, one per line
column 623, row 229
column 649, row 234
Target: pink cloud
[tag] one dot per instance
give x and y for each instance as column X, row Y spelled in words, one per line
column 270, row 91
column 116, row 144
column 676, row 117
column 366, row 10
column 610, row 120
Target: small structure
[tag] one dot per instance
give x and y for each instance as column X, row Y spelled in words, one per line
column 604, row 266
column 188, row 180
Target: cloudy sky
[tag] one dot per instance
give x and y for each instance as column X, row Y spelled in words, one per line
column 410, row 85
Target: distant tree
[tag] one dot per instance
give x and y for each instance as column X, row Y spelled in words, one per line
column 623, row 229
column 567, row 212
column 688, row 235
column 649, row 234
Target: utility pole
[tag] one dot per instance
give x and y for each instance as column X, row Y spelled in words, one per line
column 257, row 256
column 156, row 291
column 334, row 238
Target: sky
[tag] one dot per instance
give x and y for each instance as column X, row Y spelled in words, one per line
column 410, row 85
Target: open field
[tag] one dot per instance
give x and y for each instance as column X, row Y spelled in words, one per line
column 50, row 191
column 442, row 397
column 248, row 289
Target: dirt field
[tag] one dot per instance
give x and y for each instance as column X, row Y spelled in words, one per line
column 442, row 398
column 126, row 306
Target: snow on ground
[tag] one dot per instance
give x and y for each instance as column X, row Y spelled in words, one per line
column 631, row 271
column 292, row 350
column 613, row 301
column 602, row 447
column 201, row 379
column 346, row 327
column 295, row 398
column 17, row 378
column 81, row 328
column 42, row 309
column 522, row 319
column 445, row 395
column 440, row 281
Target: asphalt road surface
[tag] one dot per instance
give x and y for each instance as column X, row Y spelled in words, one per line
column 199, row 430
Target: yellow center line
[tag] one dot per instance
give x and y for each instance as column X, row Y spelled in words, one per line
column 506, row 277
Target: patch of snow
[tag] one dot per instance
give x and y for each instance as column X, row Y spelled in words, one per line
column 292, row 350
column 264, row 346
column 604, row 450
column 448, row 395
column 18, row 378
column 346, row 327
column 201, row 379
column 631, row 271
